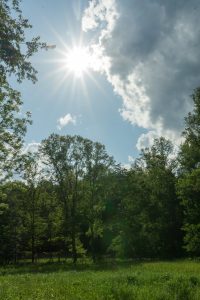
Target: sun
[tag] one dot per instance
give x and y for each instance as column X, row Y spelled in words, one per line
column 77, row 64
column 78, row 61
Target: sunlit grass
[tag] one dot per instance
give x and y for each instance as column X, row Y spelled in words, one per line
column 122, row 280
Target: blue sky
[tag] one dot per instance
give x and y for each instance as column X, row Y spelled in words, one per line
column 97, row 115
column 149, row 66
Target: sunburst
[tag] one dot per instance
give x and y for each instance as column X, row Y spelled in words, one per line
column 78, row 61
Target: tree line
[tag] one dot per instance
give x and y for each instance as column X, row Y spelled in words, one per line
column 73, row 200
column 70, row 198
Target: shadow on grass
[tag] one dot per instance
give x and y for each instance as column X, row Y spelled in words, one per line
column 64, row 266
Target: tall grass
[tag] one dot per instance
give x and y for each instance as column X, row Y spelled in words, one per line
column 121, row 281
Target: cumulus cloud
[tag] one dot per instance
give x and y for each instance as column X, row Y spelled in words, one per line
column 150, row 54
column 99, row 12
column 64, row 121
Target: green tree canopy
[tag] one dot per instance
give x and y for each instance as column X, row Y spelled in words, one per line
column 190, row 149
column 188, row 186
column 15, row 53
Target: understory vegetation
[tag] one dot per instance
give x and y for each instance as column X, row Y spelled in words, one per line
column 119, row 280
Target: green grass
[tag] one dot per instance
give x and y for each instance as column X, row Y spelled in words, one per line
column 119, row 280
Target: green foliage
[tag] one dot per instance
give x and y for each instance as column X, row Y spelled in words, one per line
column 188, row 187
column 12, row 128
column 155, row 281
column 15, row 50
column 149, row 213
column 190, row 150
column 78, row 167
column 15, row 54
column 11, row 221
column 164, row 212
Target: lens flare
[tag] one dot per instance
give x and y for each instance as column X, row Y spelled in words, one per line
column 78, row 61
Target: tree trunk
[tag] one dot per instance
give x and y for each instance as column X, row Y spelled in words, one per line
column 73, row 216
column 74, row 252
column 15, row 246
column 33, row 228
column 92, row 245
column 33, row 248
column 73, row 231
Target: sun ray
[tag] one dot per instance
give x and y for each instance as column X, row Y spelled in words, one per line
column 96, row 83
column 73, row 62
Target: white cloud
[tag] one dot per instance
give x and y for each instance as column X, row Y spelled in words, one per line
column 150, row 55
column 131, row 159
column 64, row 121
column 31, row 147
column 98, row 12
column 126, row 166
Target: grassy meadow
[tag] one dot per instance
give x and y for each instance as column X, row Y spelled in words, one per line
column 116, row 280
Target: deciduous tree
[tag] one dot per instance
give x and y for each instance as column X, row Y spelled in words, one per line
column 15, row 54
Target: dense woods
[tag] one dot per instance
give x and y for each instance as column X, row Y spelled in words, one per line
column 70, row 199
